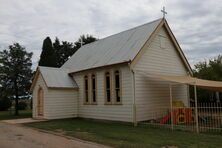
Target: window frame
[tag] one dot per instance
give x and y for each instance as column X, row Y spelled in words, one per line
column 162, row 41
column 92, row 91
column 88, row 90
column 110, row 89
column 120, row 87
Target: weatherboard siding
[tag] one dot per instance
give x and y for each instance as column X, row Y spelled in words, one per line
column 39, row 83
column 61, row 103
column 152, row 97
column 58, row 103
column 100, row 110
column 117, row 48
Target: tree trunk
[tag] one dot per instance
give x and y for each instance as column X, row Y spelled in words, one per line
column 16, row 106
column 16, row 99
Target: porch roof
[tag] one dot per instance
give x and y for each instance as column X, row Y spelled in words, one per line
column 205, row 84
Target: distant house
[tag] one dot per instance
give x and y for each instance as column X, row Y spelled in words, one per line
column 103, row 80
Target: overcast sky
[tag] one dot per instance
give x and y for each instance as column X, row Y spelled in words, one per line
column 197, row 24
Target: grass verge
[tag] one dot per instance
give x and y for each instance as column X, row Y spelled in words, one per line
column 6, row 115
column 125, row 135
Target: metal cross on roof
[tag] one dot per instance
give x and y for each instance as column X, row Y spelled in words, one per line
column 164, row 12
column 81, row 41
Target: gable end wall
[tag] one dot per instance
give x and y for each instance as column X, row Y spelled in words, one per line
column 152, row 97
column 58, row 103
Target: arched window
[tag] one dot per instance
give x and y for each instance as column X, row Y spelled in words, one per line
column 117, row 90
column 108, row 87
column 93, row 79
column 86, row 82
column 40, row 101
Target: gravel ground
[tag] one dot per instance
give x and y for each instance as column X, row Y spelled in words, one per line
column 15, row 136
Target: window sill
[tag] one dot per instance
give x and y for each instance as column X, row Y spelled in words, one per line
column 118, row 103
column 90, row 104
column 113, row 104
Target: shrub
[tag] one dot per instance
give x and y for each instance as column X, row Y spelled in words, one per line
column 22, row 105
column 5, row 104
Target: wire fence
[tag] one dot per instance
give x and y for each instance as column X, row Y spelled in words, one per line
column 207, row 118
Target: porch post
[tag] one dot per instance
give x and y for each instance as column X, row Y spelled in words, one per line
column 171, row 106
column 196, row 111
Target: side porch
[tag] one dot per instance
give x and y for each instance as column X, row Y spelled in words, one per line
column 173, row 106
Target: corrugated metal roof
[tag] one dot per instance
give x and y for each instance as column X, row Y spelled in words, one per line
column 57, row 77
column 118, row 48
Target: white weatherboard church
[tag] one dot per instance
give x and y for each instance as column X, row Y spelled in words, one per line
column 105, row 79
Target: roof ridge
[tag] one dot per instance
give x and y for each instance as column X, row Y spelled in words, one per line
column 53, row 68
column 127, row 43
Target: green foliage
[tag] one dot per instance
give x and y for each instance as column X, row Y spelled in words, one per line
column 5, row 103
column 211, row 70
column 125, row 135
column 15, row 72
column 47, row 57
column 62, row 51
column 65, row 50
column 22, row 105
column 85, row 39
column 6, row 115
column 57, row 53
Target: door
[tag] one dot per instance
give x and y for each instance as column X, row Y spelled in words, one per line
column 40, row 102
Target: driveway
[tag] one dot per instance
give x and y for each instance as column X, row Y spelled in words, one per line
column 15, row 136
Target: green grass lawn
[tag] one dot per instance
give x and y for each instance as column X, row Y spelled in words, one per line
column 125, row 135
column 5, row 115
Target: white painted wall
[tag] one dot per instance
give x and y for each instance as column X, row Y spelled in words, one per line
column 58, row 103
column 152, row 97
column 61, row 103
column 101, row 111
column 39, row 83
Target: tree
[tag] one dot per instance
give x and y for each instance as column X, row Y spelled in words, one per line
column 47, row 57
column 5, row 102
column 85, row 39
column 57, row 53
column 216, row 68
column 65, row 50
column 15, row 72
column 209, row 70
column 62, row 51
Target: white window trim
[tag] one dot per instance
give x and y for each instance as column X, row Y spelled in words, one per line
column 84, row 89
column 120, row 87
column 105, row 93
column 91, row 90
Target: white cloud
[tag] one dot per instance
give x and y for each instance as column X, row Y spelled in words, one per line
column 196, row 24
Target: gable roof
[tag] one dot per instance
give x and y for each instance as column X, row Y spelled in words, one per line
column 173, row 39
column 115, row 49
column 55, row 78
column 124, row 47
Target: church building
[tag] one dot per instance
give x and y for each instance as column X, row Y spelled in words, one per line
column 114, row 78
